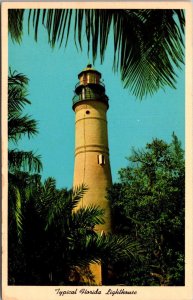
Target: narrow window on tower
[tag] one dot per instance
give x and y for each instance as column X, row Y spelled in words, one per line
column 101, row 159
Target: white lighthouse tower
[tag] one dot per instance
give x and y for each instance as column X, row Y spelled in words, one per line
column 92, row 165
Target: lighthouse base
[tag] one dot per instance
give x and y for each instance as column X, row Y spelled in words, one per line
column 96, row 271
column 90, row 275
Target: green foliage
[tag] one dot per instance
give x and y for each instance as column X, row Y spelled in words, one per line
column 48, row 239
column 24, row 160
column 18, row 126
column 148, row 206
column 16, row 27
column 58, row 240
column 148, row 43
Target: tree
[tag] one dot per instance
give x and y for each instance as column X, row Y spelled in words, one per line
column 148, row 43
column 20, row 187
column 59, row 243
column 19, row 125
column 148, row 206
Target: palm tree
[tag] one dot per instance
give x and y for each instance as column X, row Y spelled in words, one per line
column 148, row 43
column 19, row 125
column 20, row 188
column 59, row 243
column 73, row 243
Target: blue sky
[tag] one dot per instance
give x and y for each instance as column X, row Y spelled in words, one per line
column 131, row 122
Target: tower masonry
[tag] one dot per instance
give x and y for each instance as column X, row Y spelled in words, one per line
column 92, row 165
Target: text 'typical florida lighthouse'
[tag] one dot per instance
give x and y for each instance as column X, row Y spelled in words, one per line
column 92, row 165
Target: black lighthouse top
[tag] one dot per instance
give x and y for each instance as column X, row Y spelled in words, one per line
column 90, row 87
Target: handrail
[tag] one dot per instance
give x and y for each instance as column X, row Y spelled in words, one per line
column 89, row 82
column 78, row 98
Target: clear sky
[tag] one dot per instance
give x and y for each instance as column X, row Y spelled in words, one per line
column 131, row 122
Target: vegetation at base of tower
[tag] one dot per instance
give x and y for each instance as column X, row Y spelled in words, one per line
column 148, row 206
column 58, row 242
column 148, row 43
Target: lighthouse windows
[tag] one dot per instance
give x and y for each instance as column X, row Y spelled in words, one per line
column 87, row 112
column 83, row 93
column 101, row 159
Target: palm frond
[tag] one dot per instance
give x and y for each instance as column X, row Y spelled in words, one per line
column 17, row 91
column 88, row 216
column 152, row 65
column 17, row 78
column 48, row 191
column 24, row 180
column 24, row 160
column 148, row 43
column 15, row 210
column 180, row 14
column 18, row 213
column 19, row 126
column 121, row 248
column 61, row 205
column 15, row 24
column 107, row 248
column 46, row 194
column 17, row 99
column 53, row 203
column 77, row 194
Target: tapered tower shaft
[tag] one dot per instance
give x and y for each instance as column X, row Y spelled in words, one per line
column 92, row 165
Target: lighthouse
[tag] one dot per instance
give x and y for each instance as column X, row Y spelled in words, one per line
column 92, row 164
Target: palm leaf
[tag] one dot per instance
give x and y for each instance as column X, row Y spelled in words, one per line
column 147, row 43
column 121, row 248
column 53, row 203
column 15, row 24
column 105, row 248
column 18, row 160
column 17, row 91
column 17, row 78
column 18, row 125
column 77, row 194
column 21, row 125
column 18, row 213
column 15, row 210
column 87, row 216
column 17, row 99
column 61, row 205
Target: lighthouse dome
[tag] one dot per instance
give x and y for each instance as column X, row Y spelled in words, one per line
column 89, row 70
